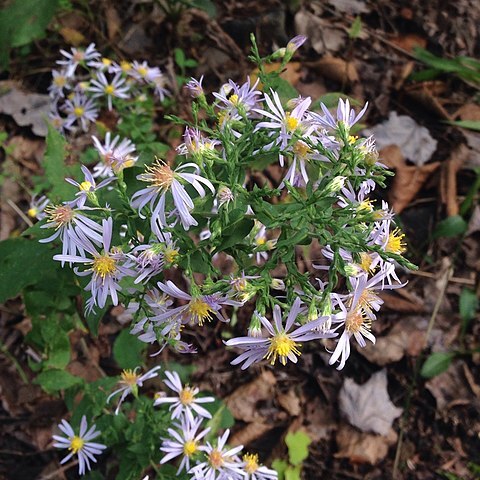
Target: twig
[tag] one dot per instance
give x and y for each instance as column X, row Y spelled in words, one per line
column 20, row 370
column 20, row 213
column 60, row 470
column 445, row 280
column 463, row 281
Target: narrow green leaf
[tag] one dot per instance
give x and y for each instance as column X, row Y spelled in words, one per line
column 436, row 363
column 470, row 124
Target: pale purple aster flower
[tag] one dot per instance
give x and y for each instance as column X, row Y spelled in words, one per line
column 288, row 123
column 200, row 308
column 164, row 180
column 184, row 442
column 57, row 121
column 80, row 109
column 238, row 99
column 196, row 144
column 113, row 155
column 262, row 243
column 37, row 207
column 295, row 43
column 76, row 57
column 345, row 114
column 104, row 64
column 280, row 342
column 359, row 198
column 195, row 87
column 130, row 382
column 255, row 471
column 186, row 402
column 87, row 188
column 80, row 444
column 123, row 67
column 107, row 267
column 101, row 87
column 224, row 196
column 67, row 222
column 222, row 463
column 59, row 83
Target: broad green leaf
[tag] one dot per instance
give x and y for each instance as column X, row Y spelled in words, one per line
column 451, row 227
column 127, row 350
column 356, row 28
column 55, row 168
column 436, row 363
column 293, row 472
column 297, row 444
column 54, row 380
column 280, row 466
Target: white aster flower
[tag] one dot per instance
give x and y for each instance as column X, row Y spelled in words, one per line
column 116, row 88
column 77, row 57
column 80, row 444
column 114, row 155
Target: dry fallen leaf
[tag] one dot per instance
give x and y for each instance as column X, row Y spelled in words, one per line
column 290, row 402
column 409, row 41
column 243, row 401
column 250, row 433
column 408, row 180
column 361, row 447
column 368, row 406
column 415, row 141
column 25, row 108
column 336, row 69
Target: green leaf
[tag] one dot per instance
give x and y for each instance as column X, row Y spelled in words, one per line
column 468, row 305
column 285, row 90
column 356, row 28
column 179, row 57
column 451, row 227
column 436, row 363
column 470, row 124
column 205, row 5
column 54, row 380
column 297, row 444
column 293, row 472
column 127, row 350
column 55, row 168
column 280, row 466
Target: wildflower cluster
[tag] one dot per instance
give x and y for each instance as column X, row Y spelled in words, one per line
column 85, row 82
column 203, row 218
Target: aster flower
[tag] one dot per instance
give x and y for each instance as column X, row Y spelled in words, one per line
column 80, row 109
column 104, row 64
column 37, row 207
column 87, row 188
column 67, row 222
column 195, row 87
column 106, row 268
column 221, row 462
column 59, row 83
column 200, row 308
column 280, row 343
column 238, row 99
column 345, row 114
column 80, row 445
column 164, row 180
column 184, row 442
column 288, row 123
column 116, row 88
column 76, row 57
column 186, row 402
column 123, row 67
column 255, row 471
column 130, row 382
column 196, row 144
column 114, row 155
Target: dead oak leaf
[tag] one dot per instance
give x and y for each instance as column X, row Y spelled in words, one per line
column 368, row 406
column 408, row 180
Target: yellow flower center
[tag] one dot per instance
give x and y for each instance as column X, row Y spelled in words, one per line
column 261, row 241
column 239, row 284
column 355, row 320
column 79, row 55
column 109, row 89
column 189, row 448
column 106, row 61
column 215, row 459
column 352, row 139
column 251, row 462
column 104, row 265
column 60, row 214
column 32, row 212
column 125, row 66
column 85, row 186
column 281, row 345
column 395, row 243
column 78, row 111
column 76, row 444
column 367, row 300
column 301, row 149
column 366, row 262
column 170, row 255
column 291, row 122
column 186, row 396
column 365, row 206
column 234, row 99
column 199, row 310
column 142, row 71
column 60, row 81
column 129, row 377
column 159, row 175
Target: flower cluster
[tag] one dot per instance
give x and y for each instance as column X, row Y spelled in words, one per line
column 190, row 217
column 86, row 81
column 203, row 459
